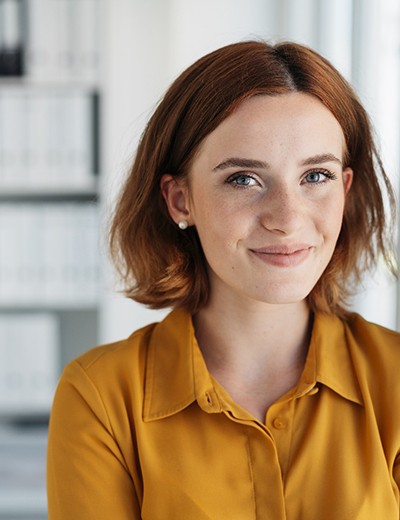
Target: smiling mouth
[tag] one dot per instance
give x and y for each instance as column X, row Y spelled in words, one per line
column 283, row 256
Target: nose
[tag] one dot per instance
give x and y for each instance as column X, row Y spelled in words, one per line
column 282, row 211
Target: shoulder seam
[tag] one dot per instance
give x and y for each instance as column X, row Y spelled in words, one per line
column 97, row 393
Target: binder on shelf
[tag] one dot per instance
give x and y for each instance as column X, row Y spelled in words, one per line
column 64, row 22
column 56, row 119
column 53, row 255
column 81, row 143
column 40, row 40
column 30, row 275
column 13, row 138
column 63, row 40
column 86, row 41
column 82, row 251
column 11, row 39
column 38, row 134
column 9, row 252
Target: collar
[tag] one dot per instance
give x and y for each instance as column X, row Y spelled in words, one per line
column 176, row 374
column 329, row 360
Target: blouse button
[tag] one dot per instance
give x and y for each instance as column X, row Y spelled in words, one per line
column 279, row 423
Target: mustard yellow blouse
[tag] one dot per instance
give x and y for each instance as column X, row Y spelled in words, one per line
column 139, row 429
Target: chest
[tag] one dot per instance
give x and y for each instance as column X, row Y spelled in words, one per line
column 319, row 456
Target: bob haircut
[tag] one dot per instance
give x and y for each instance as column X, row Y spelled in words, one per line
column 163, row 266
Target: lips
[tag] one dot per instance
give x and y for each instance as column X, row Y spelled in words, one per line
column 290, row 255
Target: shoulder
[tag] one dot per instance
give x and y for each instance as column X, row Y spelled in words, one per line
column 373, row 338
column 375, row 351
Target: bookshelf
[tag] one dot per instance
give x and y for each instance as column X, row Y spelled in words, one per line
column 50, row 97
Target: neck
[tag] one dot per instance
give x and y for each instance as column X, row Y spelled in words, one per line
column 231, row 329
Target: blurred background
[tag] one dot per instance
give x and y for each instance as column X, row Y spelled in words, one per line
column 78, row 81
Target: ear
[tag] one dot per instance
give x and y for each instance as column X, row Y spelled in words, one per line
column 347, row 179
column 176, row 196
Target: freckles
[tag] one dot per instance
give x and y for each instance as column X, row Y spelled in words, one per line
column 330, row 212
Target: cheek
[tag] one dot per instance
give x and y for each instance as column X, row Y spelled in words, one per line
column 220, row 230
column 214, row 216
column 331, row 218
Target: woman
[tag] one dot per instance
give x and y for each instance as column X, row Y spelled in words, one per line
column 255, row 203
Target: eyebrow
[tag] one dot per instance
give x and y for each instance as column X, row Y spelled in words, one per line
column 321, row 158
column 241, row 162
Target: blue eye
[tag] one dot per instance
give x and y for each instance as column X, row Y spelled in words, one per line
column 318, row 177
column 314, row 177
column 241, row 180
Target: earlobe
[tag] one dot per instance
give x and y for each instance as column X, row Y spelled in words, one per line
column 175, row 194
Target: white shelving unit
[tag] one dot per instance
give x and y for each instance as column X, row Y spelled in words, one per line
column 49, row 220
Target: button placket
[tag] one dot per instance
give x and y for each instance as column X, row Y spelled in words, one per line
column 279, row 418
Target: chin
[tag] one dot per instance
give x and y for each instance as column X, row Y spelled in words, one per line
column 285, row 297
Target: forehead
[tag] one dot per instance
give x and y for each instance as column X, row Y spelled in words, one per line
column 292, row 123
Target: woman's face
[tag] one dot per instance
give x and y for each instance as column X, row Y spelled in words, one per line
column 266, row 192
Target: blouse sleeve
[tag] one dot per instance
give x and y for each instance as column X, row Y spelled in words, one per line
column 87, row 478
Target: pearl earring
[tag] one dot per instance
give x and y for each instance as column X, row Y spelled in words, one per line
column 182, row 224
